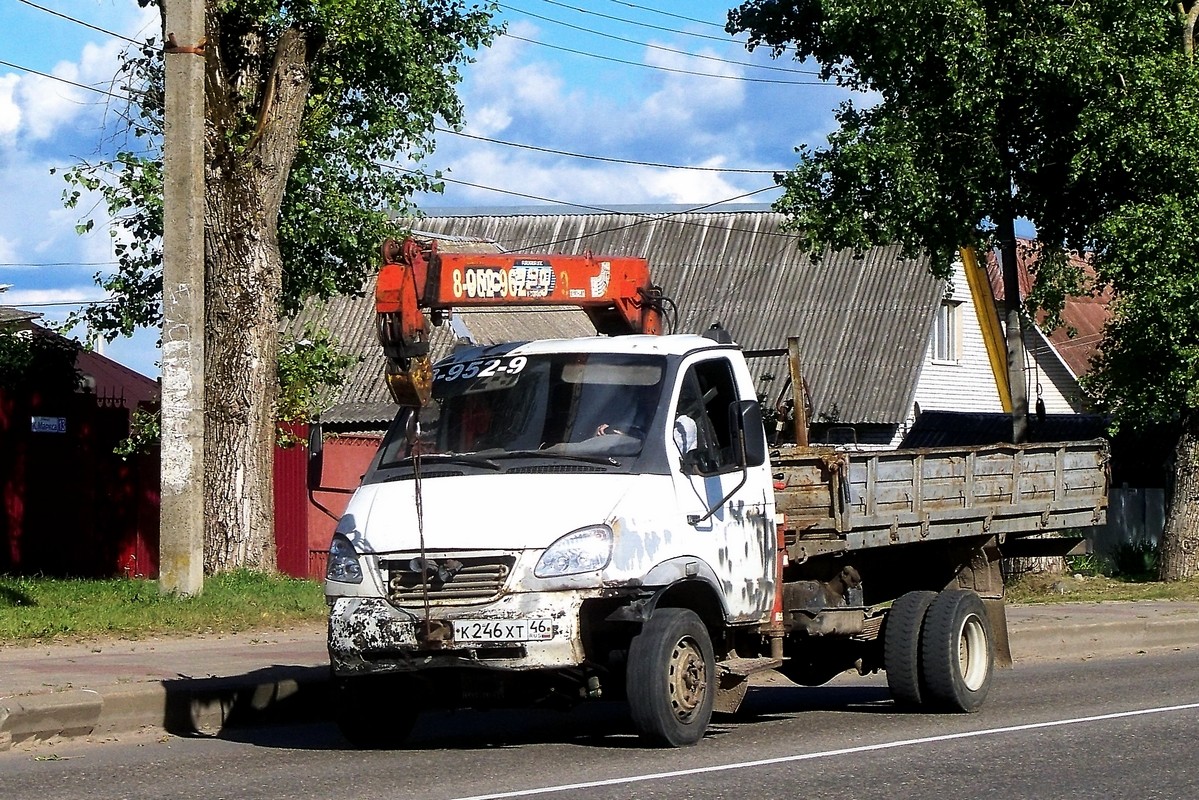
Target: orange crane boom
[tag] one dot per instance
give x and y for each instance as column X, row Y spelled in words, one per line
column 614, row 291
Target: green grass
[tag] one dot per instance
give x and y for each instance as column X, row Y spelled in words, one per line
column 1066, row 588
column 42, row 609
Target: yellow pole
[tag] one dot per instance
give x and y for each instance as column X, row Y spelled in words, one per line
column 988, row 320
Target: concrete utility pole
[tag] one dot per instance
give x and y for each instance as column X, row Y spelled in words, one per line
column 181, row 518
column 1014, row 333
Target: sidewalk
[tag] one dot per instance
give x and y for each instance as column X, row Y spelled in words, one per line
column 203, row 684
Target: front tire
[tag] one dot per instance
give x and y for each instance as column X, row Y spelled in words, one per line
column 957, row 651
column 671, row 678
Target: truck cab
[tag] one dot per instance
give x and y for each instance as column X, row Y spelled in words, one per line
column 512, row 540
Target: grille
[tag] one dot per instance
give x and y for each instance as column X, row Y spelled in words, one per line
column 464, row 579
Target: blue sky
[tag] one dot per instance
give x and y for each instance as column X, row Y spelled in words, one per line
column 607, row 78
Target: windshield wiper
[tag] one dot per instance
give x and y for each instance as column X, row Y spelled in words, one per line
column 607, row 460
column 450, row 458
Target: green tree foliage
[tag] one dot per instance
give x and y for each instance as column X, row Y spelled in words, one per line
column 383, row 73
column 309, row 368
column 1079, row 116
column 305, row 104
column 37, row 361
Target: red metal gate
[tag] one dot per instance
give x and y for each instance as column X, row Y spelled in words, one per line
column 291, row 503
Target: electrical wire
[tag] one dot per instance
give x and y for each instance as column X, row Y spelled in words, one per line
column 556, row 202
column 64, row 80
column 607, row 159
column 17, row 264
column 645, row 220
column 725, row 39
column 626, row 62
column 662, row 48
column 668, row 14
column 81, row 22
column 108, row 301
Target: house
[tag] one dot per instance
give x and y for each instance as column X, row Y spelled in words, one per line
column 880, row 339
column 69, row 506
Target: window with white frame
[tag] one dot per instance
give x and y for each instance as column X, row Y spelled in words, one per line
column 947, row 332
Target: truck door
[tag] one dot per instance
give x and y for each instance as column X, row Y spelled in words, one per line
column 737, row 540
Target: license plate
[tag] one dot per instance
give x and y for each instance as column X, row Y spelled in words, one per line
column 503, row 630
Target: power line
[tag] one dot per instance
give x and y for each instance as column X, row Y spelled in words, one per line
column 607, row 159
column 102, row 302
column 645, row 217
column 80, row 22
column 668, row 14
column 523, row 195
column 64, row 80
column 56, row 263
column 668, row 69
column 725, row 39
column 658, row 46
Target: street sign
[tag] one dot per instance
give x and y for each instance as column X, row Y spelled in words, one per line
column 48, row 424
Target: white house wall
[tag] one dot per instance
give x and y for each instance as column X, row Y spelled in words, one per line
column 968, row 385
column 1049, row 377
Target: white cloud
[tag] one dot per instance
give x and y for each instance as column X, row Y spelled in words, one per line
column 10, row 111
column 684, row 97
column 505, row 83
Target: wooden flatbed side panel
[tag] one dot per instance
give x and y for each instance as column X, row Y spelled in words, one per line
column 917, row 495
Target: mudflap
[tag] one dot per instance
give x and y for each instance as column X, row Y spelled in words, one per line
column 732, row 681
column 997, row 616
column 730, row 691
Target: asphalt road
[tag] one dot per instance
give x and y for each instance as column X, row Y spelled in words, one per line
column 1088, row 729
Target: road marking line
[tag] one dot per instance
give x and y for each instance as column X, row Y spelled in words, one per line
column 947, row 737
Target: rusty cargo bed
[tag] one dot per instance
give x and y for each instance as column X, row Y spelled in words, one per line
column 834, row 501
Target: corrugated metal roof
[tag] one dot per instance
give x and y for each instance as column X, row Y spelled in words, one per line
column 1077, row 340
column 10, row 315
column 863, row 321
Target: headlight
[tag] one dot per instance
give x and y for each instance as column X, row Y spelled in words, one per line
column 343, row 565
column 584, row 550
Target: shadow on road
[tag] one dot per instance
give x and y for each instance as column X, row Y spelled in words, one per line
column 598, row 724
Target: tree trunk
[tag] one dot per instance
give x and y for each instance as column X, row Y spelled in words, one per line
column 244, row 274
column 1179, row 558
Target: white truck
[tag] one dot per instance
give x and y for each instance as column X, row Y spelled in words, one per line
column 568, row 520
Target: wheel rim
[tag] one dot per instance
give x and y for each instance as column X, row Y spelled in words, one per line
column 688, row 679
column 972, row 653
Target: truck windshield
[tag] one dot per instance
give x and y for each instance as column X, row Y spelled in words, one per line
column 551, row 405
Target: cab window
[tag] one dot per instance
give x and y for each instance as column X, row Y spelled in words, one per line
column 702, row 432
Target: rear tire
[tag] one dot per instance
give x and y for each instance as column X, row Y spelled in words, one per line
column 671, row 678
column 957, row 652
column 901, row 647
column 375, row 713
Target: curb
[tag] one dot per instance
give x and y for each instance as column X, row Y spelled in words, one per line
column 1124, row 637
column 299, row 694
column 183, row 707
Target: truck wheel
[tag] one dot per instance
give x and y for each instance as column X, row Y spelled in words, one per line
column 374, row 713
column 957, row 651
column 671, row 678
column 901, row 647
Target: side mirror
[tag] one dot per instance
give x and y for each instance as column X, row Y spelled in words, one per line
column 749, row 435
column 316, row 454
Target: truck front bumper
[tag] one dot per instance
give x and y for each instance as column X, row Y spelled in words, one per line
column 371, row 636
